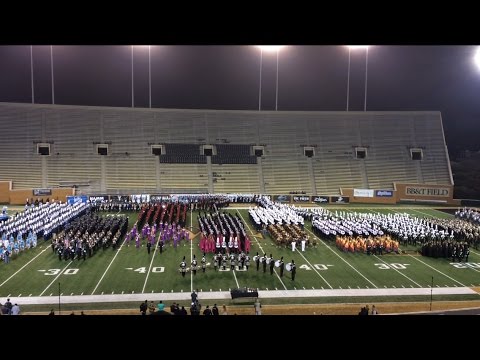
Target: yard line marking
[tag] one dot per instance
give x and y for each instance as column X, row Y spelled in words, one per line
column 470, row 250
column 108, row 267
column 191, row 251
column 235, row 276
column 24, row 266
column 30, row 295
column 81, row 293
column 260, row 246
column 151, row 263
column 56, row 277
column 71, row 294
column 20, row 295
column 313, row 267
column 421, row 212
column 431, row 267
column 50, row 294
column 399, row 272
column 345, row 261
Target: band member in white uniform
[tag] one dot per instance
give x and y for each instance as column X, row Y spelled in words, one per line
column 183, row 267
column 204, row 263
column 303, row 244
column 294, row 244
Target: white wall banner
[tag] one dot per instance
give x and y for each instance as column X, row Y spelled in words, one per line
column 363, row 192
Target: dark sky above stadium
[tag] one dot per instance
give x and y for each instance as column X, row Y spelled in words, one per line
column 311, row 78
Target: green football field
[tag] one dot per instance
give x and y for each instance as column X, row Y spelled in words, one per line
column 128, row 270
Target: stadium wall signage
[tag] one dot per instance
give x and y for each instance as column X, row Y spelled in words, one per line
column 320, row 199
column 301, row 198
column 339, row 199
column 363, row 192
column 40, row 192
column 282, row 198
column 74, row 199
column 383, row 193
column 98, row 198
column 159, row 197
column 425, row 191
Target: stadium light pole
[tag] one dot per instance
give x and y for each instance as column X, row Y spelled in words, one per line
column 51, row 71
column 268, row 48
column 31, row 73
column 356, row 47
column 476, row 58
column 149, row 77
column 133, row 103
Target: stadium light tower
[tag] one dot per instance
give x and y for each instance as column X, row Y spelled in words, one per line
column 268, row 48
column 132, row 80
column 31, row 73
column 476, row 58
column 356, row 47
column 51, row 72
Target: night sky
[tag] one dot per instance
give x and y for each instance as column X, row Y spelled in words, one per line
column 311, row 78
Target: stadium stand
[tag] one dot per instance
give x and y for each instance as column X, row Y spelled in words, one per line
column 73, row 133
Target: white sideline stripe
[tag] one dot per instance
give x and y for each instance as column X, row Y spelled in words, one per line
column 191, row 251
column 108, row 267
column 150, row 267
column 399, row 272
column 260, row 246
column 313, row 267
column 431, row 267
column 225, row 295
column 345, row 261
column 24, row 265
column 235, row 276
column 56, row 277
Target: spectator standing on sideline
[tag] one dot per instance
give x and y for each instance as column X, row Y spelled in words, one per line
column 258, row 307
column 16, row 310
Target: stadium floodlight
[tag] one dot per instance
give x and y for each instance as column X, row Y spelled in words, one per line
column 477, row 58
column 358, row 47
column 268, row 48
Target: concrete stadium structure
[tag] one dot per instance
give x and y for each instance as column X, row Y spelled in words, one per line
column 366, row 150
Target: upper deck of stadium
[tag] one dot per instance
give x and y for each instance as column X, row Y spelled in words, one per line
column 335, row 139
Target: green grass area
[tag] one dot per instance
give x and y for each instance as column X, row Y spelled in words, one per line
column 131, row 270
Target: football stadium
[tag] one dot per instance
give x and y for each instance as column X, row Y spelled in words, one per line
column 157, row 210
column 287, row 207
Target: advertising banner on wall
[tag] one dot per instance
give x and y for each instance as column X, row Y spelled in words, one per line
column 282, row 198
column 339, row 199
column 320, row 199
column 383, row 193
column 301, row 198
column 362, row 192
column 74, row 199
column 159, row 198
column 98, row 198
column 41, row 192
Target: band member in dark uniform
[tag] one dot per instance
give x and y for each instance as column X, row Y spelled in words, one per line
column 272, row 264
column 149, row 245
column 194, row 265
column 264, row 262
column 257, row 260
column 183, row 267
column 160, row 245
column 204, row 263
column 293, row 269
column 282, row 266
